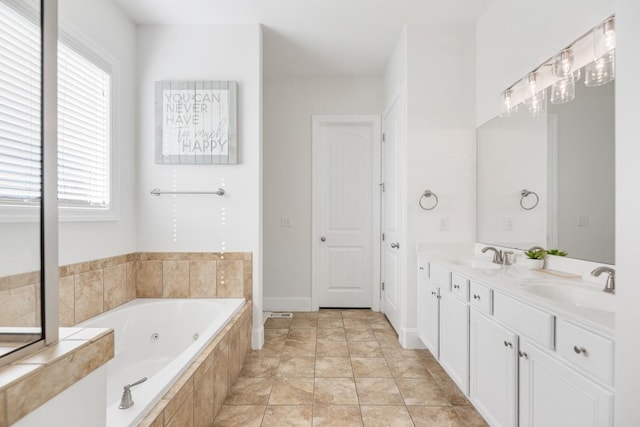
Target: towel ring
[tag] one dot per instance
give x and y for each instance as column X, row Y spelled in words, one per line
column 525, row 193
column 428, row 193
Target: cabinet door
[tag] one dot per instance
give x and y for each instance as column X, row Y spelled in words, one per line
column 454, row 339
column 493, row 371
column 553, row 395
column 428, row 316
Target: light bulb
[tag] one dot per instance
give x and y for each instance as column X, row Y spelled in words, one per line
column 507, row 106
column 562, row 64
column 609, row 34
column 536, row 99
column 601, row 71
column 563, row 90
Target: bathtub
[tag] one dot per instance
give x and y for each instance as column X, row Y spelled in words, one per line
column 157, row 339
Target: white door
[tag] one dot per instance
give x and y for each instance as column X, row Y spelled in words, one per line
column 454, row 339
column 346, row 210
column 391, row 214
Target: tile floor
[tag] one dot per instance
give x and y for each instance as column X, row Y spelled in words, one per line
column 342, row 368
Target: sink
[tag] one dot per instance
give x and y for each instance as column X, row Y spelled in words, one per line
column 477, row 263
column 579, row 296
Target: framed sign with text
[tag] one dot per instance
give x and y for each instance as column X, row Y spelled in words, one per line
column 196, row 122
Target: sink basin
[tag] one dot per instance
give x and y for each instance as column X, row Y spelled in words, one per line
column 477, row 263
column 593, row 299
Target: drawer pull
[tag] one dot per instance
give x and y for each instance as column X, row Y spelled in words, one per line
column 476, row 296
column 421, row 268
column 508, row 344
column 456, row 286
column 580, row 350
column 523, row 354
column 433, row 293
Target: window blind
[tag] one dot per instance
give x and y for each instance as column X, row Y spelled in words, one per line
column 20, row 99
column 84, row 122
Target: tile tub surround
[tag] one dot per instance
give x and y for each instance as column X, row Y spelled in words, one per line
column 342, row 368
column 90, row 288
column 32, row 381
column 197, row 396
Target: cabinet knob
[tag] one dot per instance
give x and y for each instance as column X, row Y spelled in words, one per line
column 508, row 344
column 323, row 239
column 421, row 268
column 580, row 350
column 523, row 354
column 395, row 245
column 475, row 296
column 456, row 287
column 433, row 293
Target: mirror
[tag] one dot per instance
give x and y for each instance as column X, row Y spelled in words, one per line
column 565, row 162
column 20, row 174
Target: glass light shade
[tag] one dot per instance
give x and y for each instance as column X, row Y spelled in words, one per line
column 536, row 99
column 562, row 64
column 601, row 71
column 609, row 34
column 507, row 106
column 577, row 75
column 563, row 90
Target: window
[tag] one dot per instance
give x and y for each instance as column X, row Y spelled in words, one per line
column 84, row 118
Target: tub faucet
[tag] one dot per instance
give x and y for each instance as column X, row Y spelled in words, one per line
column 127, row 401
column 497, row 255
column 610, row 285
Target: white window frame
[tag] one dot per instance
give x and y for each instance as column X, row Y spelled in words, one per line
column 83, row 45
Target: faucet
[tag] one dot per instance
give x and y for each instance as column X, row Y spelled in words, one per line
column 610, row 286
column 497, row 255
column 127, row 401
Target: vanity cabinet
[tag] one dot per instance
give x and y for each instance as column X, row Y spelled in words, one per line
column 494, row 371
column 519, row 363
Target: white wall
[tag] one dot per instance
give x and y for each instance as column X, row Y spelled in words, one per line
column 439, row 152
column 627, row 368
column 289, row 104
column 102, row 24
column 515, row 36
column 220, row 52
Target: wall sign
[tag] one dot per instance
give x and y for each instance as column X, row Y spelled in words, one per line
column 196, row 122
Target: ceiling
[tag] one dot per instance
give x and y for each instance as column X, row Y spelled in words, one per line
column 314, row 37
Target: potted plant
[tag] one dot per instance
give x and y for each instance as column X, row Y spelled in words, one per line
column 556, row 252
column 534, row 259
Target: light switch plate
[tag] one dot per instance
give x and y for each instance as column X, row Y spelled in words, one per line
column 443, row 223
column 285, row 222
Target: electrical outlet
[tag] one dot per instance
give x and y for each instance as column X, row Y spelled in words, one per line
column 582, row 221
column 443, row 223
column 285, row 222
column 507, row 223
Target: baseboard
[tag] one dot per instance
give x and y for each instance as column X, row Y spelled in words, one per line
column 257, row 338
column 286, row 304
column 409, row 339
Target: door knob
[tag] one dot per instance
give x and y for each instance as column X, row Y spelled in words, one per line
column 395, row 246
column 323, row 239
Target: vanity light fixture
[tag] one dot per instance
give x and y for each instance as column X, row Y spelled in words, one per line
column 595, row 51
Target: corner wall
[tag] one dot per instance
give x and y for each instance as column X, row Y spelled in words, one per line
column 289, row 103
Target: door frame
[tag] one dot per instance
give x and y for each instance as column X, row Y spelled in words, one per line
column 316, row 122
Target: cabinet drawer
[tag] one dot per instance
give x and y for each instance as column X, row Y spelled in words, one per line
column 481, row 297
column 535, row 324
column 460, row 286
column 423, row 268
column 440, row 276
column 586, row 350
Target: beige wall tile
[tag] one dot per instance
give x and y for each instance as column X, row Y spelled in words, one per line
column 131, row 280
column 177, row 395
column 3, row 414
column 66, row 301
column 149, row 279
column 230, row 279
column 154, row 418
column 18, row 306
column 203, row 401
column 236, row 358
column 175, row 279
column 221, row 384
column 202, row 279
column 248, row 279
column 88, row 295
column 184, row 415
column 115, row 286
column 26, row 395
